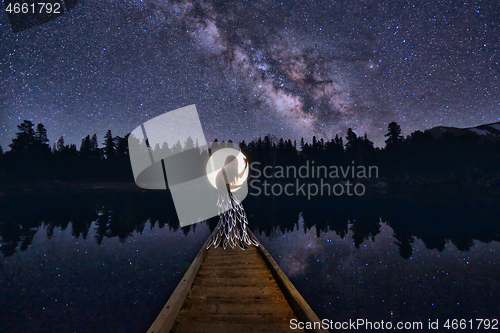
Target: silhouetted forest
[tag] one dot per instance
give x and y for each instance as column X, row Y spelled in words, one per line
column 419, row 158
column 436, row 221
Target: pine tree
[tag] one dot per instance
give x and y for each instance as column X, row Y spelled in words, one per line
column 306, row 149
column 366, row 144
column 94, row 147
column 166, row 151
column 122, row 146
column 85, row 148
column 60, row 144
column 281, row 145
column 352, row 141
column 71, row 148
column 109, row 145
column 189, row 144
column 335, row 146
column 394, row 137
column 41, row 142
column 243, row 146
column 177, row 148
column 25, row 138
column 365, row 148
column 339, row 141
column 259, row 146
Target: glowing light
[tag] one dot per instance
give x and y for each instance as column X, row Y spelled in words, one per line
column 216, row 163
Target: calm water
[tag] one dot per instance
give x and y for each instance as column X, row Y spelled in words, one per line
column 109, row 263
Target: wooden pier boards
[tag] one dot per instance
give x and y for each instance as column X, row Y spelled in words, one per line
column 233, row 291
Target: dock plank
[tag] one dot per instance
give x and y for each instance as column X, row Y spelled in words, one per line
column 234, row 291
column 222, row 326
column 239, row 307
column 258, row 280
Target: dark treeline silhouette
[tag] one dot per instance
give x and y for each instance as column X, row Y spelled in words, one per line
column 418, row 158
column 436, row 221
column 32, row 159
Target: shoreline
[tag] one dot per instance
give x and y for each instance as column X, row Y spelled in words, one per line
column 60, row 187
column 379, row 189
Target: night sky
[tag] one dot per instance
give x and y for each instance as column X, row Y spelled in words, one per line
column 291, row 68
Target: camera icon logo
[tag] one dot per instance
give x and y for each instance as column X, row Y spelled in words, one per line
column 170, row 152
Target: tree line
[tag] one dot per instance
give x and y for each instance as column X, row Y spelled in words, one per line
column 418, row 155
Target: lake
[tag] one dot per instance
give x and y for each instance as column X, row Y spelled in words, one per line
column 101, row 263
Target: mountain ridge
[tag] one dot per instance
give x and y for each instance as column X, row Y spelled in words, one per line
column 488, row 132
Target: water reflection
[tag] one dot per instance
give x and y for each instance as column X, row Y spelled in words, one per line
column 74, row 285
column 113, row 215
column 109, row 262
column 375, row 283
column 436, row 221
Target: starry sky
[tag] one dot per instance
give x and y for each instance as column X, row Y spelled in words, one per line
column 293, row 68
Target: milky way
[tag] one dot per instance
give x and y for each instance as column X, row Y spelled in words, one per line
column 292, row 69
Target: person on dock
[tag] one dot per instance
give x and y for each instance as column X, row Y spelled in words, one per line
column 231, row 231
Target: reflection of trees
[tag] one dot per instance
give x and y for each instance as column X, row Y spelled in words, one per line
column 436, row 241
column 19, row 235
column 364, row 230
column 113, row 216
column 463, row 243
column 269, row 214
column 435, row 221
column 404, row 241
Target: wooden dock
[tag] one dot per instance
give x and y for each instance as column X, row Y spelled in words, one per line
column 233, row 291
